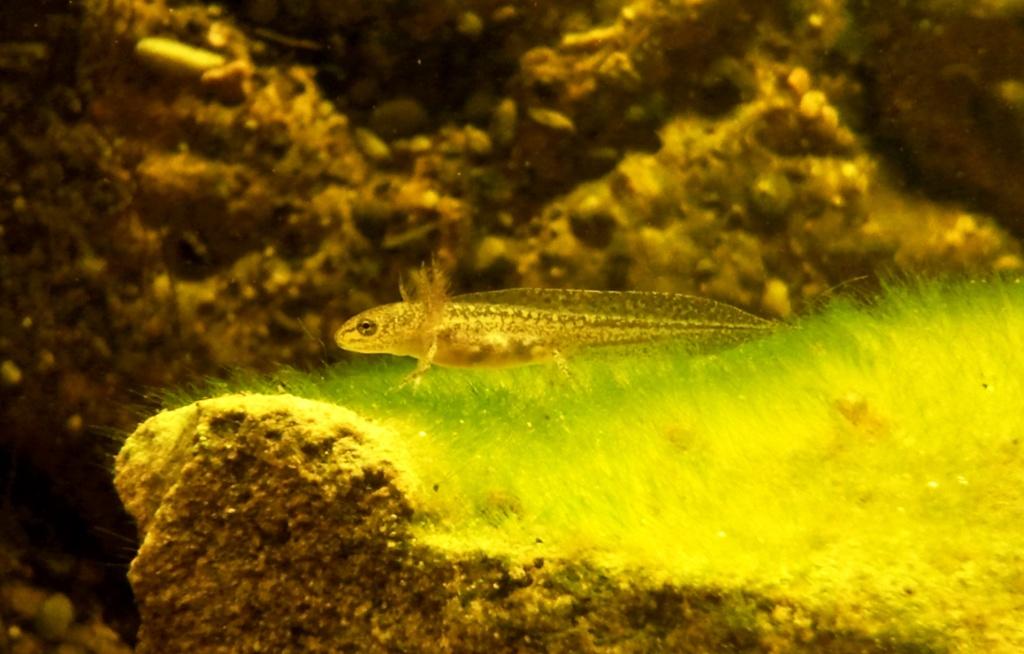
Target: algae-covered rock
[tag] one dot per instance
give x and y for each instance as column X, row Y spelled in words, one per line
column 275, row 523
column 846, row 485
column 271, row 524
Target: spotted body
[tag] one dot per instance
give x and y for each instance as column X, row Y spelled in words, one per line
column 527, row 325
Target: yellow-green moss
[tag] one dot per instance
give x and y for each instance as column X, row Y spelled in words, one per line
column 866, row 461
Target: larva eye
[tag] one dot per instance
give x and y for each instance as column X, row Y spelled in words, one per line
column 366, row 328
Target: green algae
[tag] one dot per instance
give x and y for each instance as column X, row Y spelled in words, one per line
column 864, row 462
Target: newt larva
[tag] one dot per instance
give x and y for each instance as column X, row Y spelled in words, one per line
column 532, row 325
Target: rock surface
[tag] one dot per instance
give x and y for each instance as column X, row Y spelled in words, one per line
column 279, row 524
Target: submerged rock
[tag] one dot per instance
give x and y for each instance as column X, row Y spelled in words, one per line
column 273, row 523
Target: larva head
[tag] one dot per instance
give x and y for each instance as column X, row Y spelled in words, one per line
column 387, row 329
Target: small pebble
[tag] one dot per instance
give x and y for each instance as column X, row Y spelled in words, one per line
column 163, row 290
column 217, row 35
column 429, row 199
column 47, row 361
column 776, row 298
column 10, row 373
column 22, row 599
column 830, row 117
column 470, row 24
column 74, row 423
column 478, row 142
column 771, row 195
column 398, row 117
column 551, row 118
column 176, row 58
column 811, row 104
column 54, row 617
column 503, row 122
column 491, row 250
column 372, row 145
column 1011, row 92
column 230, row 82
column 504, row 14
column 799, row 80
column 1008, row 262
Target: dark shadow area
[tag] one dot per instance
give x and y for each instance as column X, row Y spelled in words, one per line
column 64, row 550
